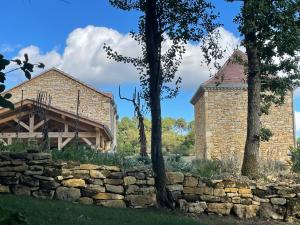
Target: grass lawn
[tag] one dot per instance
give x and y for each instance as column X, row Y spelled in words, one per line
column 53, row 212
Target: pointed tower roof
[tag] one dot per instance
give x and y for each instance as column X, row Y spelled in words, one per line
column 231, row 75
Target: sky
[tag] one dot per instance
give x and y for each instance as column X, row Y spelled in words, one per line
column 70, row 34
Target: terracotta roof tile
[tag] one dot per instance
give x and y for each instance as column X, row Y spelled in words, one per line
column 231, row 75
column 232, row 72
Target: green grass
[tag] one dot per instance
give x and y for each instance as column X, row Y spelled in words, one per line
column 54, row 212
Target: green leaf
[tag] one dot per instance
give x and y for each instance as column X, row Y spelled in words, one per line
column 26, row 57
column 41, row 65
column 2, row 87
column 7, row 95
column 2, row 77
column 3, row 63
column 265, row 134
column 18, row 61
column 28, row 66
column 5, row 103
column 27, row 74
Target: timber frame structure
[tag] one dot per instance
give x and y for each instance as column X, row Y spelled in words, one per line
column 63, row 127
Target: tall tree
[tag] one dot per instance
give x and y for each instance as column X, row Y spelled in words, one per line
column 178, row 21
column 271, row 30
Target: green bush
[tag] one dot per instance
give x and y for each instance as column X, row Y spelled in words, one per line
column 19, row 146
column 175, row 162
column 207, row 168
column 87, row 155
column 295, row 159
column 199, row 167
column 16, row 146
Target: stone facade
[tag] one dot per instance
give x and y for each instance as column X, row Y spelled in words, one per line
column 63, row 88
column 221, row 120
column 35, row 174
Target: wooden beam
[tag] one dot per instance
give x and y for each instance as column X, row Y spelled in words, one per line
column 66, row 127
column 9, row 141
column 59, row 142
column 31, row 123
column 39, row 124
column 102, row 145
column 22, row 124
column 1, row 140
column 98, row 138
column 66, row 142
column 67, row 122
column 12, row 117
column 87, row 141
column 107, row 145
column 50, row 134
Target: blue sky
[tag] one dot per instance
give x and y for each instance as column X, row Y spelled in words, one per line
column 69, row 34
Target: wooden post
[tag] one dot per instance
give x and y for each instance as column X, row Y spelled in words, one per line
column 9, row 141
column 107, row 146
column 59, row 142
column 98, row 139
column 31, row 123
column 66, row 128
column 102, row 145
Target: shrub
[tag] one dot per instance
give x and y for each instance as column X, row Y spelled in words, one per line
column 207, row 168
column 295, row 159
column 87, row 155
column 201, row 167
column 175, row 162
column 19, row 146
column 16, row 146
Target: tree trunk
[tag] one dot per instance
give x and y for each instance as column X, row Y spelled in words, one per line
column 142, row 134
column 251, row 153
column 153, row 48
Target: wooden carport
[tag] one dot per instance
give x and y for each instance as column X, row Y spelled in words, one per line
column 23, row 123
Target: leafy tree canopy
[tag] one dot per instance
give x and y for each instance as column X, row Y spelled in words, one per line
column 175, row 140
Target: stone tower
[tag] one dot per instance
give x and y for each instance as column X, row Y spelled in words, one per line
column 220, row 106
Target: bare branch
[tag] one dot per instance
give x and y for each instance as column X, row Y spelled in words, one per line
column 124, row 98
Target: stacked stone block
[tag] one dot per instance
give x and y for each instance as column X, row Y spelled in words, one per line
column 35, row 174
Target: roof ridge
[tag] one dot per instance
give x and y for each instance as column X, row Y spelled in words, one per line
column 109, row 95
column 233, row 75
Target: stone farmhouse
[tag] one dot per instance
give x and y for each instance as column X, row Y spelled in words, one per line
column 94, row 122
column 220, row 106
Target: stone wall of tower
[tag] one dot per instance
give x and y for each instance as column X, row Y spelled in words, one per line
column 225, row 126
column 200, row 116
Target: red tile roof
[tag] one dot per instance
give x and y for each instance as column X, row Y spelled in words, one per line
column 231, row 75
column 232, row 72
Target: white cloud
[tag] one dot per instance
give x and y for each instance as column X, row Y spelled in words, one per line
column 84, row 57
column 193, row 71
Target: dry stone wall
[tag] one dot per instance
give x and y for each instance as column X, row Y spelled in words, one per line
column 35, row 174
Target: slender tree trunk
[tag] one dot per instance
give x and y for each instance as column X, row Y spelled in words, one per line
column 153, row 43
column 251, row 153
column 142, row 134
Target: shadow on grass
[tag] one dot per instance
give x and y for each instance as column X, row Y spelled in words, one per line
column 55, row 212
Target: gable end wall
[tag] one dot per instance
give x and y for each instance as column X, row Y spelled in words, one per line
column 63, row 91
